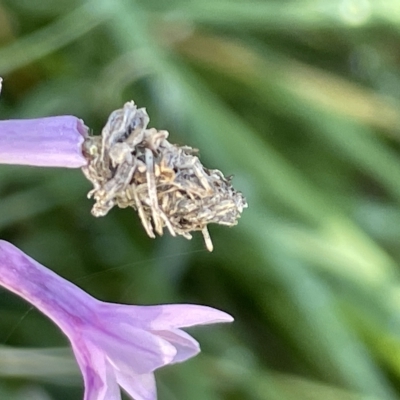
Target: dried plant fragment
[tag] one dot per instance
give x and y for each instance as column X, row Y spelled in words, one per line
column 133, row 166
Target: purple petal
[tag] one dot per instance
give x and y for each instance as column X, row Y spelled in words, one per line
column 169, row 316
column 140, row 387
column 181, row 316
column 132, row 349
column 185, row 315
column 45, row 142
column 98, row 375
column 185, row 345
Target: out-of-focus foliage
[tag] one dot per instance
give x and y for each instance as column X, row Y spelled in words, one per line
column 300, row 101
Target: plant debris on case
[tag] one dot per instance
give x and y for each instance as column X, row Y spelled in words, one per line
column 133, row 166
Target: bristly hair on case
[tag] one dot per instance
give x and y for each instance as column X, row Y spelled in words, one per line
column 131, row 165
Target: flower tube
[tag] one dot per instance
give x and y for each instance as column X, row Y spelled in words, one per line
column 43, row 142
column 114, row 344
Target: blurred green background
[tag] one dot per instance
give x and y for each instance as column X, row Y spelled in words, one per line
column 299, row 100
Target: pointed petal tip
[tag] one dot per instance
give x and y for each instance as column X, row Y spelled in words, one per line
column 210, row 315
column 220, row 317
column 186, row 315
column 226, row 317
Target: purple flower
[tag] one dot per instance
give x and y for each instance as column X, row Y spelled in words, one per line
column 114, row 344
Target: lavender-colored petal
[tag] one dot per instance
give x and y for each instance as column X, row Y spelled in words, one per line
column 185, row 345
column 45, row 142
column 98, row 374
column 169, row 315
column 140, row 387
column 185, row 315
column 135, row 350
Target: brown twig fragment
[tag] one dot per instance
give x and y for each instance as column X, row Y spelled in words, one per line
column 133, row 166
